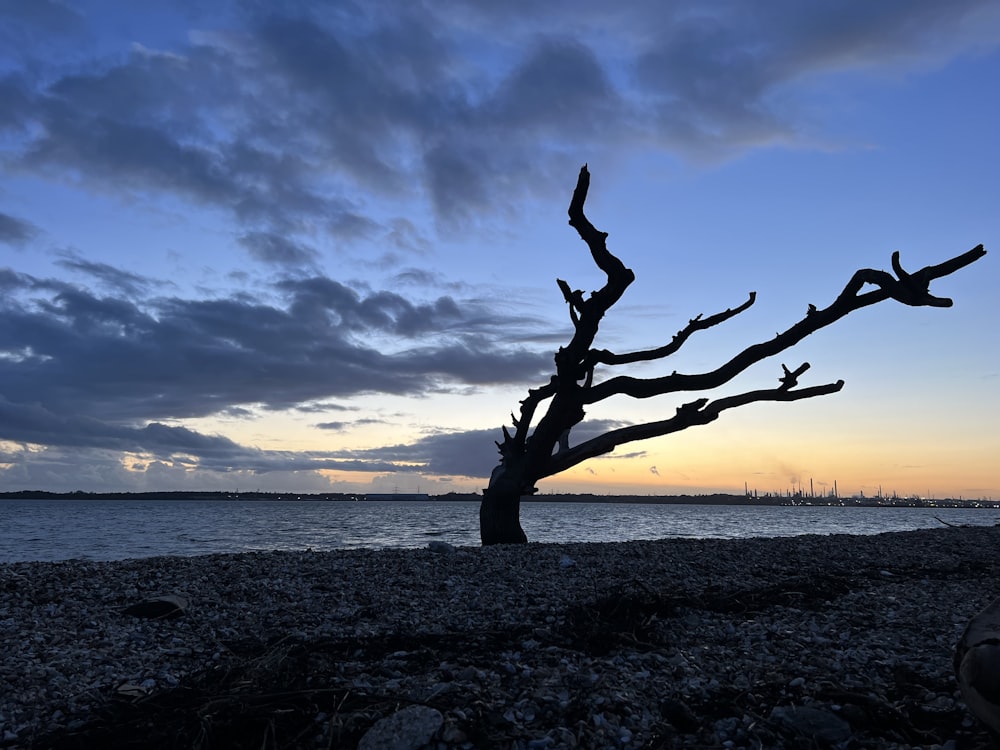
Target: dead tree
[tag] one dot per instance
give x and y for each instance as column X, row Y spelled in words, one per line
column 528, row 455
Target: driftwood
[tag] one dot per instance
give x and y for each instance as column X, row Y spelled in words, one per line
column 534, row 451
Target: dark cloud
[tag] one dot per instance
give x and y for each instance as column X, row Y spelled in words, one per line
column 322, row 408
column 287, row 120
column 124, row 361
column 14, row 231
column 15, row 103
column 403, row 234
column 115, row 279
column 384, row 311
column 466, row 453
column 33, row 423
column 95, row 469
column 89, row 373
column 560, row 89
column 469, row 453
column 335, row 426
column 268, row 247
column 711, row 80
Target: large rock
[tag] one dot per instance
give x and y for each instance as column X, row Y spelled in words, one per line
column 158, row 607
column 977, row 666
column 407, row 729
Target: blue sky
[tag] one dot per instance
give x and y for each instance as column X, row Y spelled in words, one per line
column 313, row 247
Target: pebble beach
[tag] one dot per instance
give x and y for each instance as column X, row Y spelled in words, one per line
column 809, row 641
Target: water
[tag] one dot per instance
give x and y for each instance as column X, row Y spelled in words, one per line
column 117, row 529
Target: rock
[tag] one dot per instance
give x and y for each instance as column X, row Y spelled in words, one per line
column 442, row 548
column 407, row 729
column 566, row 562
column 977, row 666
column 452, row 735
column 158, row 607
column 815, row 723
column 131, row 690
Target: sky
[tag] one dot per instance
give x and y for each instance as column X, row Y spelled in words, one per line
column 313, row 247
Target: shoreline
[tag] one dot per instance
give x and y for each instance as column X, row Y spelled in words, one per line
column 623, row 644
column 787, row 499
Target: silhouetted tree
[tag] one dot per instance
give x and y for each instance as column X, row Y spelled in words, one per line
column 528, row 455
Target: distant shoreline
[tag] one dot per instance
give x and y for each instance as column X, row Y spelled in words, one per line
column 707, row 499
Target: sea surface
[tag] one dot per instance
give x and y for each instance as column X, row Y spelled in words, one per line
column 95, row 529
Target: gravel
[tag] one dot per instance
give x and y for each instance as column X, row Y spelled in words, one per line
column 809, row 641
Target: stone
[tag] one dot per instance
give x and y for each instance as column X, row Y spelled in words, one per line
column 131, row 690
column 407, row 729
column 158, row 607
column 442, row 548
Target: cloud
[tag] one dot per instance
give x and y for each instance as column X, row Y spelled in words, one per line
column 464, row 453
column 335, row 426
column 713, row 80
column 98, row 470
column 268, row 247
column 114, row 279
column 79, row 369
column 14, row 231
column 343, row 424
column 286, row 119
column 322, row 408
column 33, row 423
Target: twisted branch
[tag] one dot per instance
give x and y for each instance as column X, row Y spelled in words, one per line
column 697, row 323
column 701, row 411
column 910, row 289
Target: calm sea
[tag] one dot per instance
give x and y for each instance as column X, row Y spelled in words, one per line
column 116, row 529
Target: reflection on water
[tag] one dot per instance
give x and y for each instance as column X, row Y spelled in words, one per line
column 116, row 529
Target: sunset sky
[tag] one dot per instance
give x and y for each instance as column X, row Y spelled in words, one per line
column 315, row 248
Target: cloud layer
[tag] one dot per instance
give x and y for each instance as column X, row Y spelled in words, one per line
column 287, row 120
column 82, row 370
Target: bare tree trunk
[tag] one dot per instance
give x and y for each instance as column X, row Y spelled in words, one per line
column 499, row 518
column 500, row 510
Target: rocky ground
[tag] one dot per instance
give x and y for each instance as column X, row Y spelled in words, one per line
column 803, row 642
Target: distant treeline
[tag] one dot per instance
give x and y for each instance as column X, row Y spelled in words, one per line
column 713, row 499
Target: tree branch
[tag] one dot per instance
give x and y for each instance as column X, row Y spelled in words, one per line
column 698, row 412
column 619, row 277
column 565, row 409
column 528, row 406
column 604, row 357
column 910, row 289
